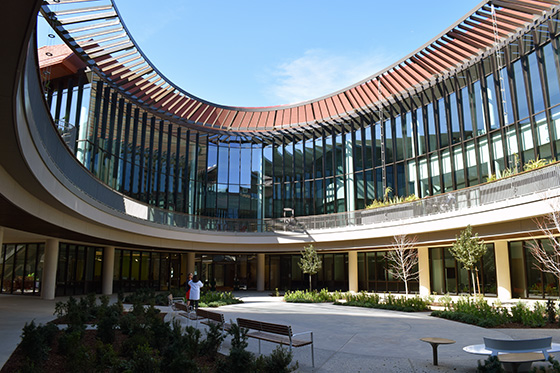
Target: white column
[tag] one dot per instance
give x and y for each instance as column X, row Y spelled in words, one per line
column 48, row 286
column 424, row 271
column 353, row 271
column 503, row 277
column 108, row 270
column 260, row 272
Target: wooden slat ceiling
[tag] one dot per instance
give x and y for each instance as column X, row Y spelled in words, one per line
column 95, row 32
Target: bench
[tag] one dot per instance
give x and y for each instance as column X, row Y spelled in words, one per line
column 182, row 310
column 276, row 333
column 210, row 317
column 520, row 353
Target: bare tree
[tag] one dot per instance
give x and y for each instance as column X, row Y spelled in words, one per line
column 549, row 225
column 403, row 259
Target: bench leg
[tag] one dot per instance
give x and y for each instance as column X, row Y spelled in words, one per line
column 434, row 351
column 312, row 352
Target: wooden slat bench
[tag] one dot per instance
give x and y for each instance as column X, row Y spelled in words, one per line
column 184, row 311
column 210, row 317
column 276, row 333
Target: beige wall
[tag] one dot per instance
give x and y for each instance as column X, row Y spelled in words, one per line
column 424, row 271
column 353, row 271
column 503, row 278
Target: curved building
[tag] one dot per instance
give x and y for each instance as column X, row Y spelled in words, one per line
column 114, row 178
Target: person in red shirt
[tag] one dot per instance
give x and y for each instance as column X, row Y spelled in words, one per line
column 188, row 293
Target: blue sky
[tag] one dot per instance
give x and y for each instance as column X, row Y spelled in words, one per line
column 269, row 52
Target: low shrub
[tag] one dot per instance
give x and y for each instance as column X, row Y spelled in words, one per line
column 279, row 361
column 36, row 341
column 478, row 312
column 218, row 298
column 305, row 296
column 362, row 299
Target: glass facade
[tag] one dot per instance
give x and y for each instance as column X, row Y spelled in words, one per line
column 449, row 136
column 135, row 269
column 447, row 276
column 374, row 275
column 78, row 270
column 283, row 273
column 527, row 281
column 21, row 268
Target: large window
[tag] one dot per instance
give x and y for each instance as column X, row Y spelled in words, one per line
column 374, row 276
column 21, row 268
column 447, row 276
column 527, row 281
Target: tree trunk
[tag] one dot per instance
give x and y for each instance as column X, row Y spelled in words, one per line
column 310, row 282
column 406, row 287
column 478, row 281
column 473, row 282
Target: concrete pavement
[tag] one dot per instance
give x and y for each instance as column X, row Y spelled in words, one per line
column 347, row 339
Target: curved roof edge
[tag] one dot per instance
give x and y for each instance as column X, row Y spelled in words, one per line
column 99, row 36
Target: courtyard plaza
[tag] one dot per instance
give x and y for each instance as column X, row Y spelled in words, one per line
column 346, row 339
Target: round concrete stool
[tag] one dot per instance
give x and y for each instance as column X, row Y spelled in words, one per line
column 435, row 342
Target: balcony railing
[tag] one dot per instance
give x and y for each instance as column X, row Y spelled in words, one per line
column 534, row 182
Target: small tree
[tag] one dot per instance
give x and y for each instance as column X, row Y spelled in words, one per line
column 548, row 260
column 403, row 259
column 468, row 250
column 309, row 262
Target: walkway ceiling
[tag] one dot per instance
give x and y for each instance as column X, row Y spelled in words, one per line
column 96, row 32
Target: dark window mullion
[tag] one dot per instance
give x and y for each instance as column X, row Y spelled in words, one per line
column 68, row 108
column 58, row 105
column 133, row 147
column 475, row 127
column 150, row 166
column 177, row 170
column 118, row 139
column 79, row 100
column 96, row 116
column 529, row 98
column 544, row 91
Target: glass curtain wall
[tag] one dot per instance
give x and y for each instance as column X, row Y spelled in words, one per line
column 78, row 270
column 21, row 268
column 479, row 122
column 374, row 276
column 283, row 273
column 134, row 269
column 447, row 276
column 527, row 281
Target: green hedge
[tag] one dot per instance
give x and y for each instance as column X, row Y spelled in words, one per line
column 390, row 302
column 477, row 311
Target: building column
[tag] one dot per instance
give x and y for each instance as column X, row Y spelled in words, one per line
column 353, row 271
column 108, row 270
column 424, row 271
column 260, row 272
column 184, row 268
column 503, row 277
column 191, row 263
column 48, row 282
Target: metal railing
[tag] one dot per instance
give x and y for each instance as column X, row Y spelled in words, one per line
column 528, row 183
